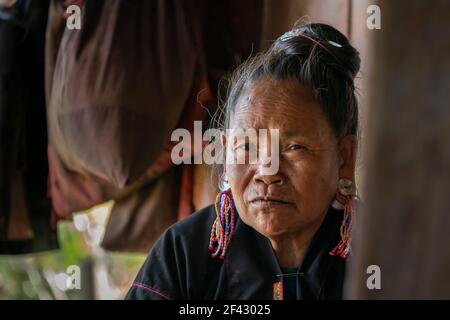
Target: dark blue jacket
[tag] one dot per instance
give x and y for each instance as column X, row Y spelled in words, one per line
column 180, row 267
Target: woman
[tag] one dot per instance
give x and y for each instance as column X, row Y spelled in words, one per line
column 284, row 235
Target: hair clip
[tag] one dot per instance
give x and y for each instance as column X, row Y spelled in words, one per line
column 300, row 33
column 335, row 44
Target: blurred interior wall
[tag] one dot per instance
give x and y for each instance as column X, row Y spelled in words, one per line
column 404, row 225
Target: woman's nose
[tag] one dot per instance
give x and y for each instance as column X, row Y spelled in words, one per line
column 269, row 179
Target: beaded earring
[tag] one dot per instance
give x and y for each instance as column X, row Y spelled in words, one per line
column 223, row 227
column 345, row 200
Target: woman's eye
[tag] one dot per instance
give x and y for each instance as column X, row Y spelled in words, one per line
column 295, row 147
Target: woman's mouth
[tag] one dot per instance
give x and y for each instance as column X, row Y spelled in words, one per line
column 267, row 202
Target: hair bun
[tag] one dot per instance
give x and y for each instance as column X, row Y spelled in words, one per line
column 333, row 47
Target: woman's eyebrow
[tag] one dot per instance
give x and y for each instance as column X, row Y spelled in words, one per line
column 292, row 133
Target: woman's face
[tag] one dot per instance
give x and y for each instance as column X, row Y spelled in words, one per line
column 310, row 159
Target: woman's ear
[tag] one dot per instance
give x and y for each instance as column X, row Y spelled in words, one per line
column 347, row 157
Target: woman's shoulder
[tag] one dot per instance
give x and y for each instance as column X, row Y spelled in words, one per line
column 178, row 259
column 196, row 227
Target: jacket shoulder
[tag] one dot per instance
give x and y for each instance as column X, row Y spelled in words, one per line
column 198, row 223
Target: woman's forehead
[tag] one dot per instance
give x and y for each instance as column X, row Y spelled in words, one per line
column 277, row 103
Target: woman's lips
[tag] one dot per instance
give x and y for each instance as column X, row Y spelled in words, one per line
column 266, row 202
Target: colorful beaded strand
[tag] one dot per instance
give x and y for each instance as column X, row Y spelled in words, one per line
column 223, row 226
column 343, row 248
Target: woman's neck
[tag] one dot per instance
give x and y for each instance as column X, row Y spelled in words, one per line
column 291, row 248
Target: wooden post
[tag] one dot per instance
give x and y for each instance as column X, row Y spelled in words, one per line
column 404, row 226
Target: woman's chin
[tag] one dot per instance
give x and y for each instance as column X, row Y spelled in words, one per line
column 270, row 223
column 273, row 227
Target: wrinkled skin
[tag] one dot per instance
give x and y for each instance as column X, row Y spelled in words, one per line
column 289, row 206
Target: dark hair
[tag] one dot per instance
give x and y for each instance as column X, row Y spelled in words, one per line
column 315, row 55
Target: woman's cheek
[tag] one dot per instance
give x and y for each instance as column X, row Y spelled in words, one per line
column 231, row 175
column 313, row 180
column 237, row 176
